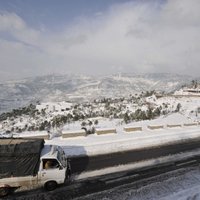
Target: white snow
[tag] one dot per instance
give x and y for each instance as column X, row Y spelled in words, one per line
column 52, row 106
column 101, row 144
column 184, row 187
column 95, row 144
column 32, row 133
column 72, row 131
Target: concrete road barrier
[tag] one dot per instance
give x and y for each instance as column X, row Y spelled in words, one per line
column 173, row 125
column 70, row 134
column 105, row 131
column 190, row 124
column 153, row 127
column 132, row 129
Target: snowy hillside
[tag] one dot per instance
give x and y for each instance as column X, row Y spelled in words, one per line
column 141, row 110
column 78, row 88
column 116, row 112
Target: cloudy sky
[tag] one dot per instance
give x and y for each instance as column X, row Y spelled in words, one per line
column 99, row 37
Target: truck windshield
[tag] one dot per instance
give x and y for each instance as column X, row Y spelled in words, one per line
column 61, row 157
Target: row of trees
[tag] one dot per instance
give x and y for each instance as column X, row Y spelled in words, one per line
column 142, row 115
column 29, row 110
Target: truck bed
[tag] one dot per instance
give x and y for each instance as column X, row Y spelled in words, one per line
column 19, row 156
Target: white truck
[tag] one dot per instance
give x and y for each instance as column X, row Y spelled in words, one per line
column 28, row 163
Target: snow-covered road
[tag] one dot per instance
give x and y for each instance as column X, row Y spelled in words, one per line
column 183, row 184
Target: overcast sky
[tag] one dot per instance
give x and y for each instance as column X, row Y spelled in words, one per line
column 99, row 37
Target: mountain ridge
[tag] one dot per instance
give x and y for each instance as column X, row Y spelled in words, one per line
column 73, row 87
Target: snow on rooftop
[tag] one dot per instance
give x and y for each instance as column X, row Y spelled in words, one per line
column 73, row 131
column 105, row 129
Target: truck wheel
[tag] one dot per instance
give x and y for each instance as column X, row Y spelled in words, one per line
column 4, row 191
column 50, row 185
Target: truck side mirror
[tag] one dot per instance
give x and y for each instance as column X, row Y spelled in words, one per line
column 60, row 167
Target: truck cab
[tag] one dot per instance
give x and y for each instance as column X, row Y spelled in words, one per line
column 54, row 167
